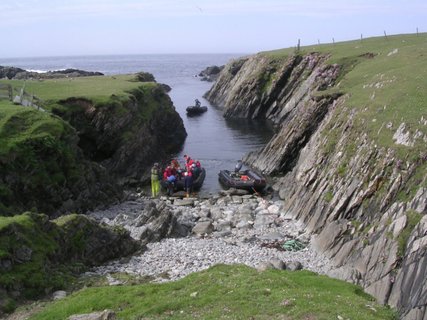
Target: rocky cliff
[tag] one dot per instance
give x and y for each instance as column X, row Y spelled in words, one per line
column 38, row 255
column 78, row 154
column 346, row 161
column 126, row 134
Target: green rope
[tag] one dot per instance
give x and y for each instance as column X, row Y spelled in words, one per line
column 293, row 245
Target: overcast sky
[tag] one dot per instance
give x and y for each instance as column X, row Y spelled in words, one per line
column 79, row 27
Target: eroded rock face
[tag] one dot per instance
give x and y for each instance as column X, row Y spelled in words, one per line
column 342, row 186
column 259, row 87
column 39, row 253
column 127, row 137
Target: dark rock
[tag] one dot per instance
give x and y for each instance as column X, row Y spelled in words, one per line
column 9, row 72
column 23, row 254
column 293, row 266
column 18, row 73
column 165, row 87
column 145, row 77
column 97, row 243
column 210, row 73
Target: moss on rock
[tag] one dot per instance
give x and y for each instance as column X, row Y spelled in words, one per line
column 38, row 255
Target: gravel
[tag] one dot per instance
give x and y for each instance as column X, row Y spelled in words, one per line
column 173, row 258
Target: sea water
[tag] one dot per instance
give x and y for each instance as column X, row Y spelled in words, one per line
column 216, row 142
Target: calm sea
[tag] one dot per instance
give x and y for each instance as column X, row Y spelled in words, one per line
column 216, row 142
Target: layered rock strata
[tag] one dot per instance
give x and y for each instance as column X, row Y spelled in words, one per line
column 361, row 201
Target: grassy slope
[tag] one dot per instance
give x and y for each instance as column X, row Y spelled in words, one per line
column 386, row 88
column 227, row 292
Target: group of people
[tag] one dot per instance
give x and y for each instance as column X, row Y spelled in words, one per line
column 174, row 173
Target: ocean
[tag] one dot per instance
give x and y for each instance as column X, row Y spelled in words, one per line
column 216, row 142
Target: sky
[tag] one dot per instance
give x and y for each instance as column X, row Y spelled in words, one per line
column 30, row 28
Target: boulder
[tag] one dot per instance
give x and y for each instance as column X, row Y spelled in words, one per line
column 204, row 227
column 103, row 315
column 293, row 266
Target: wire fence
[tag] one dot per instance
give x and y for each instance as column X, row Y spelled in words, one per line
column 6, row 91
column 298, row 46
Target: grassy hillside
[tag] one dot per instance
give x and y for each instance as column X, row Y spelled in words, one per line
column 227, row 292
column 384, row 80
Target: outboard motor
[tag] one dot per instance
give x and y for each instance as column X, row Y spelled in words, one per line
column 238, row 166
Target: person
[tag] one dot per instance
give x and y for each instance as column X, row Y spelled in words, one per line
column 197, row 102
column 196, row 170
column 171, row 184
column 188, row 183
column 189, row 163
column 155, row 181
column 175, row 164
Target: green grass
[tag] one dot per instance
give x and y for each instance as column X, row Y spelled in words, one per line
column 382, row 87
column 18, row 124
column 95, row 88
column 227, row 292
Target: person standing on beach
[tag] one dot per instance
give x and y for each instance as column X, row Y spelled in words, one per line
column 155, row 182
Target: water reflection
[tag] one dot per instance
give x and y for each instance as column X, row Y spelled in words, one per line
column 213, row 140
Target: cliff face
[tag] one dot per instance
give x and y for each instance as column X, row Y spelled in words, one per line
column 127, row 135
column 261, row 87
column 78, row 161
column 42, row 168
column 365, row 201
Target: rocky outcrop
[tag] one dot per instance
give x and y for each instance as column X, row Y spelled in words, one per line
column 79, row 160
column 39, row 255
column 263, row 88
column 210, row 73
column 127, row 136
column 48, row 172
column 364, row 203
column 18, row 73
